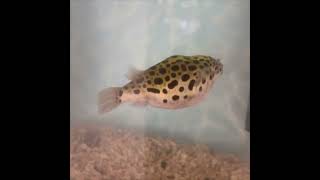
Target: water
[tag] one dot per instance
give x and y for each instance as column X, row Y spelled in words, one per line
column 109, row 36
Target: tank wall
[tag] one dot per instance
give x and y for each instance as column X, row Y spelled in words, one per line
column 109, row 36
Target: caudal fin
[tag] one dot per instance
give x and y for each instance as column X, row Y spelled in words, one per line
column 108, row 99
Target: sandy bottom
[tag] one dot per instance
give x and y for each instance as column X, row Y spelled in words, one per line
column 103, row 152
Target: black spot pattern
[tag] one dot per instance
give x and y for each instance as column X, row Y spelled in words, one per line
column 153, row 90
column 173, row 75
column 167, row 78
column 201, row 67
column 195, row 61
column 185, row 77
column 181, row 89
column 175, row 68
column 144, row 86
column 191, row 84
column 151, row 73
column 185, row 97
column 183, row 67
column 192, row 67
column 179, row 73
column 168, row 65
column 164, row 91
column 126, row 87
column 172, row 84
column 162, row 71
column 158, row 80
column 179, row 60
column 200, row 89
column 149, row 82
column 136, row 91
column 165, row 101
column 175, row 97
column 210, row 77
column 205, row 64
column 203, row 81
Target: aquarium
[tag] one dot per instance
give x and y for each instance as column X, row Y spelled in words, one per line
column 208, row 140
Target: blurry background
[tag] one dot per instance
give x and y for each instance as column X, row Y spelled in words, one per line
column 108, row 36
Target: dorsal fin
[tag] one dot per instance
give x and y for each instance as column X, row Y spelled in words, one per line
column 133, row 73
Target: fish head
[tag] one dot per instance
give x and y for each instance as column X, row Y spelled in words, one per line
column 217, row 66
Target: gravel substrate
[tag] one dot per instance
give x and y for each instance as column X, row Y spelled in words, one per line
column 102, row 152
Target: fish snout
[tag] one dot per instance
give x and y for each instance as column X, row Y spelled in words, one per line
column 219, row 66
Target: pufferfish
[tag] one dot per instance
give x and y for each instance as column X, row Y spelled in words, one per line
column 176, row 82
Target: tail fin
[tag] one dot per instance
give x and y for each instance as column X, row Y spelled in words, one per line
column 108, row 99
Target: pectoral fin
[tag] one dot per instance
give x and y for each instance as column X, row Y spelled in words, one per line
column 198, row 79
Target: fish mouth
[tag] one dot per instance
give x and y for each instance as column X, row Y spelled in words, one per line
column 221, row 68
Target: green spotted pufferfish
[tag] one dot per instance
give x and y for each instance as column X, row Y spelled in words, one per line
column 176, row 82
